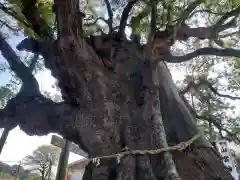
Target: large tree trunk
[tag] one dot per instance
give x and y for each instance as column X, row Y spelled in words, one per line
column 135, row 105
column 200, row 162
column 116, row 114
column 119, row 110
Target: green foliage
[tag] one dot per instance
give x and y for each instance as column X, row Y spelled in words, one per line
column 16, row 6
column 206, row 103
column 143, row 14
column 237, row 64
column 44, row 9
column 28, row 31
column 5, row 94
column 235, row 3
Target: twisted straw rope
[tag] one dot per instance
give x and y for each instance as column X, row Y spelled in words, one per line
column 178, row 147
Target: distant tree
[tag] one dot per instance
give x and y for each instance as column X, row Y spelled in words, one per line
column 42, row 161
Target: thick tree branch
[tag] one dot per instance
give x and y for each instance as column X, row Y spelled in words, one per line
column 110, row 16
column 204, row 82
column 17, row 66
column 40, row 116
column 66, row 10
column 4, row 23
column 181, row 31
column 211, row 119
column 14, row 15
column 227, row 15
column 46, row 49
column 217, row 93
column 203, row 32
column 229, row 34
column 96, row 20
column 188, row 10
column 206, row 51
column 181, row 26
column 153, row 20
column 216, row 122
column 81, row 59
column 189, row 87
column 124, row 17
column 31, row 13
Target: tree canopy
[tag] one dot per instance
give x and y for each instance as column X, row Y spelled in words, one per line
column 42, row 161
